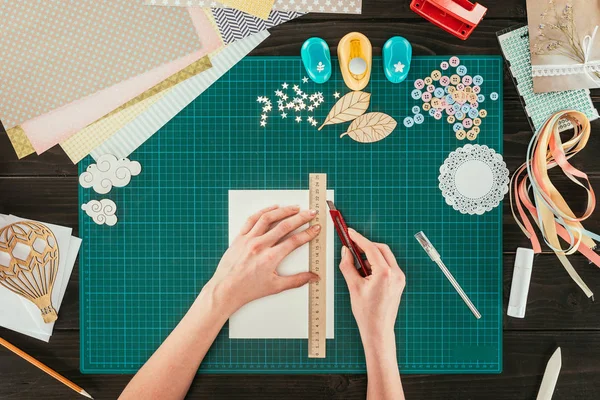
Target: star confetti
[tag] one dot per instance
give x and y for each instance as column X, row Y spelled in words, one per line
column 284, row 85
column 305, row 80
column 283, row 115
column 298, row 119
column 336, row 95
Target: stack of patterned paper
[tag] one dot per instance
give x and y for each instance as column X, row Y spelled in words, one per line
column 102, row 77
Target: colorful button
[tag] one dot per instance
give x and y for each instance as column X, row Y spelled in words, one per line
column 416, row 94
column 461, row 70
column 419, row 84
column 465, row 108
column 482, row 113
column 426, row 106
column 431, row 111
column 436, row 75
column 460, row 115
column 467, row 80
column 426, row 96
column 475, row 105
column 457, row 127
column 478, row 80
column 444, row 81
column 437, row 115
column 467, row 123
column 460, row 87
column 456, row 107
column 476, row 129
column 444, row 65
column 419, row 119
column 428, row 80
column 494, row 96
column 468, row 89
column 451, row 89
column 476, row 121
column 416, row 110
column 473, row 113
column 476, row 89
column 450, row 110
column 454, row 61
column 438, row 92
column 449, row 99
column 408, row 122
column 480, row 98
column 436, row 103
column 455, row 79
column 471, row 98
column 471, row 135
column 451, row 119
column 430, row 88
column 461, row 134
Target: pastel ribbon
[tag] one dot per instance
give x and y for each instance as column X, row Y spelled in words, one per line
column 547, row 207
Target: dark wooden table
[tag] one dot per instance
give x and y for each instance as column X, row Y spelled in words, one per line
column 558, row 314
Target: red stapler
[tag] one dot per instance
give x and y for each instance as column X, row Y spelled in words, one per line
column 458, row 17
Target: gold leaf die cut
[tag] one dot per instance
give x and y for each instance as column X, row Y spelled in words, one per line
column 349, row 107
column 371, row 127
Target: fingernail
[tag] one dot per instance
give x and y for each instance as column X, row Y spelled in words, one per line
column 314, row 279
column 313, row 212
column 295, row 207
column 351, row 230
column 344, row 248
column 317, row 227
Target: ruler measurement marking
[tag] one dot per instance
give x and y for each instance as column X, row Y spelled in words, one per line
column 317, row 259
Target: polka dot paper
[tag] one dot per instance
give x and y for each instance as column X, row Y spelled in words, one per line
column 55, row 52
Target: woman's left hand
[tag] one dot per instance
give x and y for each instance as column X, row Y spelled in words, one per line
column 248, row 269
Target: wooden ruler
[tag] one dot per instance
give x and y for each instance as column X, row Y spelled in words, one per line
column 317, row 257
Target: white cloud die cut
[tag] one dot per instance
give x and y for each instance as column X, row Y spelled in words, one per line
column 108, row 172
column 102, row 212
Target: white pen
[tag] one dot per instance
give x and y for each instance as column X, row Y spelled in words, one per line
column 435, row 257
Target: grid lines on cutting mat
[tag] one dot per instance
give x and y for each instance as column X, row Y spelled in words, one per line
column 139, row 277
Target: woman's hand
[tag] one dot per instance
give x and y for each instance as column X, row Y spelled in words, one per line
column 248, row 269
column 375, row 301
column 376, row 298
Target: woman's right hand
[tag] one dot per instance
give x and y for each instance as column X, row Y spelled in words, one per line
column 375, row 299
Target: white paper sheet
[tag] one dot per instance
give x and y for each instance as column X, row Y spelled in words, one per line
column 284, row 315
column 19, row 314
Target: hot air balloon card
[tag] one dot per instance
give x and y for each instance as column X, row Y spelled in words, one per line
column 36, row 261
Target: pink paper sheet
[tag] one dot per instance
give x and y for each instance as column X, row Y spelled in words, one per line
column 58, row 125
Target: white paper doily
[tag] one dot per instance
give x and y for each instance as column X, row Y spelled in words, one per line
column 473, row 179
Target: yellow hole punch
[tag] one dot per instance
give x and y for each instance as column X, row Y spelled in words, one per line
column 355, row 55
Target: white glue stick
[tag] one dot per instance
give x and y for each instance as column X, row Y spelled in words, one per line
column 520, row 283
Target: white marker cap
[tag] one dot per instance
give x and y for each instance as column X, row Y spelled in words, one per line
column 519, row 288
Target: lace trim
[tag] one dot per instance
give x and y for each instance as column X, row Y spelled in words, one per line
column 557, row 70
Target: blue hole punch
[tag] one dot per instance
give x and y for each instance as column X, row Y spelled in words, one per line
column 397, row 55
column 316, row 59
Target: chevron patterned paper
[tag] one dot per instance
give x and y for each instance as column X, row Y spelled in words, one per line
column 235, row 25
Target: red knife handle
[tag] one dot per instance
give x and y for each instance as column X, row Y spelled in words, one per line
column 342, row 231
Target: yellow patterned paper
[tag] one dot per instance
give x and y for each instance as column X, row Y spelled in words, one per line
column 20, row 142
column 259, row 8
column 83, row 142
column 80, row 145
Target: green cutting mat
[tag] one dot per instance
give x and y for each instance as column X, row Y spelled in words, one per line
column 139, row 277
